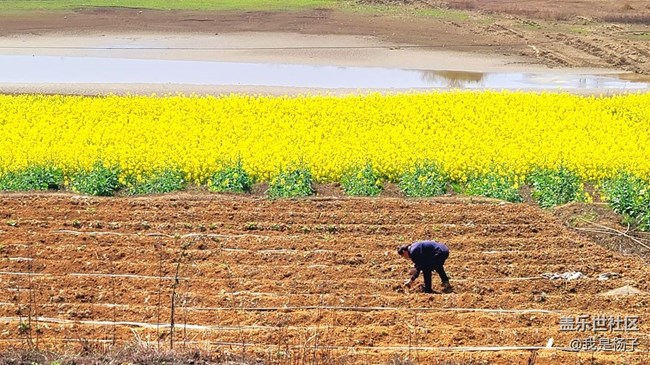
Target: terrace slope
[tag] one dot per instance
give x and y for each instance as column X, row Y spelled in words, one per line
column 314, row 277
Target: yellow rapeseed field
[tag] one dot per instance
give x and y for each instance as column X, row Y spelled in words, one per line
column 463, row 131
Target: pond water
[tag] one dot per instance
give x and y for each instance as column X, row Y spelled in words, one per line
column 22, row 69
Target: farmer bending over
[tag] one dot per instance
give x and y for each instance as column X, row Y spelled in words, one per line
column 427, row 256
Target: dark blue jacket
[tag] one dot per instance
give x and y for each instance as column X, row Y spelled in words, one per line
column 427, row 255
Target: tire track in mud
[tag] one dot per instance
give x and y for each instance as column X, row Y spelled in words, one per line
column 532, row 48
column 568, row 50
column 623, row 55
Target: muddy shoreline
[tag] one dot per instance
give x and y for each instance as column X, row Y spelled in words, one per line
column 570, row 39
column 245, row 49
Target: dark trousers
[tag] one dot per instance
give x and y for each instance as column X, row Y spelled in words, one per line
column 437, row 266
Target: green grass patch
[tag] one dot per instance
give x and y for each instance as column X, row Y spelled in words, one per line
column 291, row 183
column 405, row 11
column 629, row 196
column 100, row 180
column 35, row 177
column 363, row 181
column 157, row 182
column 231, row 179
column 578, row 30
column 425, row 179
column 552, row 187
column 639, row 36
column 494, row 185
column 10, row 6
column 449, row 14
column 373, row 9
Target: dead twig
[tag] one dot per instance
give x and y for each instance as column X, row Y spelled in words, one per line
column 114, row 312
column 615, row 232
column 158, row 337
column 175, row 285
column 32, row 299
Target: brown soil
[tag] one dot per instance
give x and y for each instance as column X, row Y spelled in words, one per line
column 601, row 225
column 298, row 280
column 551, row 32
column 308, row 277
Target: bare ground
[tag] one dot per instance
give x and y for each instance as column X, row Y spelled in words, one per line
column 317, row 277
column 604, row 34
column 300, row 280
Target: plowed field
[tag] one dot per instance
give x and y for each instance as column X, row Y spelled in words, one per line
column 303, row 279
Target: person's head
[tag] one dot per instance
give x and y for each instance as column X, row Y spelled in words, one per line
column 404, row 251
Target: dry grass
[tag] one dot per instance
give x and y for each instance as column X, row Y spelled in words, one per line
column 140, row 354
column 626, row 14
column 627, row 18
column 132, row 354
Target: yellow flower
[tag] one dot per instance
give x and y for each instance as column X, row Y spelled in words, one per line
column 465, row 132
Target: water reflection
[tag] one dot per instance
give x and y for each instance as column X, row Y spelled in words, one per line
column 92, row 70
column 454, row 79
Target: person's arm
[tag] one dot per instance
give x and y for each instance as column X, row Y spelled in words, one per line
column 417, row 259
column 414, row 255
column 415, row 272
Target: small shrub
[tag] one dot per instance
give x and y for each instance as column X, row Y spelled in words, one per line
column 361, row 182
column 291, row 183
column 425, row 179
column 629, row 195
column 231, row 179
column 35, row 177
column 157, row 182
column 494, row 185
column 99, row 180
column 23, row 328
column 555, row 187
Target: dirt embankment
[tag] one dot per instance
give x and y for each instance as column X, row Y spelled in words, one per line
column 317, row 276
column 609, row 35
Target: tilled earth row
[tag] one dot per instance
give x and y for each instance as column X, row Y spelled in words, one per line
column 317, row 276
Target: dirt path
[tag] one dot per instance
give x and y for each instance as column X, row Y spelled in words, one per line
column 274, row 274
